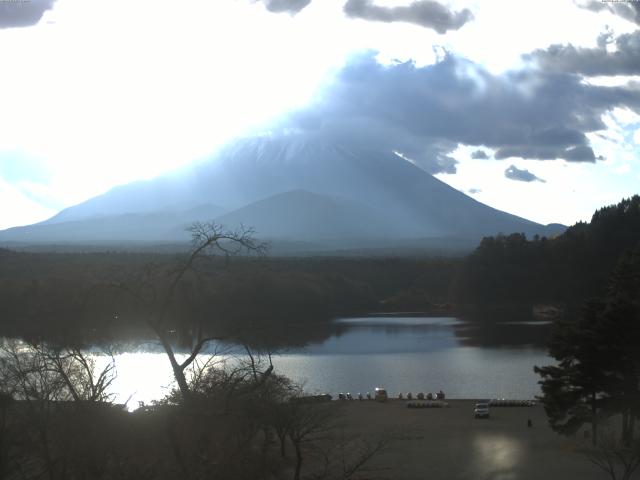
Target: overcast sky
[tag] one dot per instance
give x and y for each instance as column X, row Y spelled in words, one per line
column 532, row 107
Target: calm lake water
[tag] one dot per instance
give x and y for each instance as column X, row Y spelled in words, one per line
column 402, row 354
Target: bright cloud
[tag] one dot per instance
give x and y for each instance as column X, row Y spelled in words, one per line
column 101, row 93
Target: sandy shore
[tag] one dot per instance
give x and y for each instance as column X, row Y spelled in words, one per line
column 449, row 443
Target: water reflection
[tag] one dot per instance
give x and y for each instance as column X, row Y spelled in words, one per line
column 145, row 377
column 387, row 321
column 504, row 334
column 385, row 335
column 141, row 377
column 403, row 354
column 415, row 354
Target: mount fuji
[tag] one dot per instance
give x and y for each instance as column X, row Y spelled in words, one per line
column 292, row 189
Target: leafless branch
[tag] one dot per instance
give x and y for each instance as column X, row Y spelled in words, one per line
column 613, row 457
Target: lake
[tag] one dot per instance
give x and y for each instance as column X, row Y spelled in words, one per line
column 402, row 354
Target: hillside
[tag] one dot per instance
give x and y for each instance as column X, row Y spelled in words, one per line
column 571, row 267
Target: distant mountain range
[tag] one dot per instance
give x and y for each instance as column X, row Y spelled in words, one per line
column 293, row 190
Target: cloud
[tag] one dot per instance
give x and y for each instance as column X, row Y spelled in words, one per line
column 624, row 60
column 513, row 173
column 16, row 167
column 480, row 155
column 425, row 113
column 426, row 13
column 22, row 13
column 579, row 153
column 473, row 191
column 288, row 6
column 629, row 10
column 24, row 210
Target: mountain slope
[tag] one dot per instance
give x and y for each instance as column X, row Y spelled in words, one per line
column 108, row 229
column 303, row 215
column 293, row 187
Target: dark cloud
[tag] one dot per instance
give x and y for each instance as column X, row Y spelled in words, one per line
column 288, row 6
column 22, row 13
column 426, row 13
column 580, row 153
column 425, row 113
column 624, row 60
column 514, row 173
column 629, row 10
column 480, row 155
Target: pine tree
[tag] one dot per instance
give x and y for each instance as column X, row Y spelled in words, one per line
column 598, row 370
column 574, row 390
column 620, row 336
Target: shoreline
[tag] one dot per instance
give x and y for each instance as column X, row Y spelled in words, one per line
column 447, row 399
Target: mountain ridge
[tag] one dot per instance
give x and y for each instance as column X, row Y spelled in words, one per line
column 295, row 188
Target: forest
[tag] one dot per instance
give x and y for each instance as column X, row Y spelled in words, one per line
column 45, row 293
column 566, row 270
column 268, row 298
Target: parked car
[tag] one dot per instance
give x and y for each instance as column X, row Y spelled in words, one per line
column 481, row 410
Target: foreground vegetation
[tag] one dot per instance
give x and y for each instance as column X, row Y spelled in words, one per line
column 241, row 421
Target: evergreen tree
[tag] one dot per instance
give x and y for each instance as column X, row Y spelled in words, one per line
column 598, row 370
column 574, row 390
column 620, row 338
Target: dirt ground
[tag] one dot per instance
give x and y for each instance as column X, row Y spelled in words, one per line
column 449, row 443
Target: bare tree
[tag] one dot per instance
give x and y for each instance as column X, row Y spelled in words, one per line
column 228, row 416
column 615, row 456
column 83, row 381
column 40, row 372
column 314, row 430
column 309, row 423
column 157, row 290
column 346, row 456
column 9, row 454
column 206, row 238
column 44, row 379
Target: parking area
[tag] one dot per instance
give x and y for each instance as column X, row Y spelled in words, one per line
column 450, row 443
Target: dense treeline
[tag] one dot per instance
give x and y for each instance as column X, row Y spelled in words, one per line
column 74, row 292
column 45, row 293
column 565, row 269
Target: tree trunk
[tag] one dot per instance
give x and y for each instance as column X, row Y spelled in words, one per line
column 178, row 372
column 283, row 446
column 594, row 420
column 172, row 435
column 296, row 475
column 626, row 428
